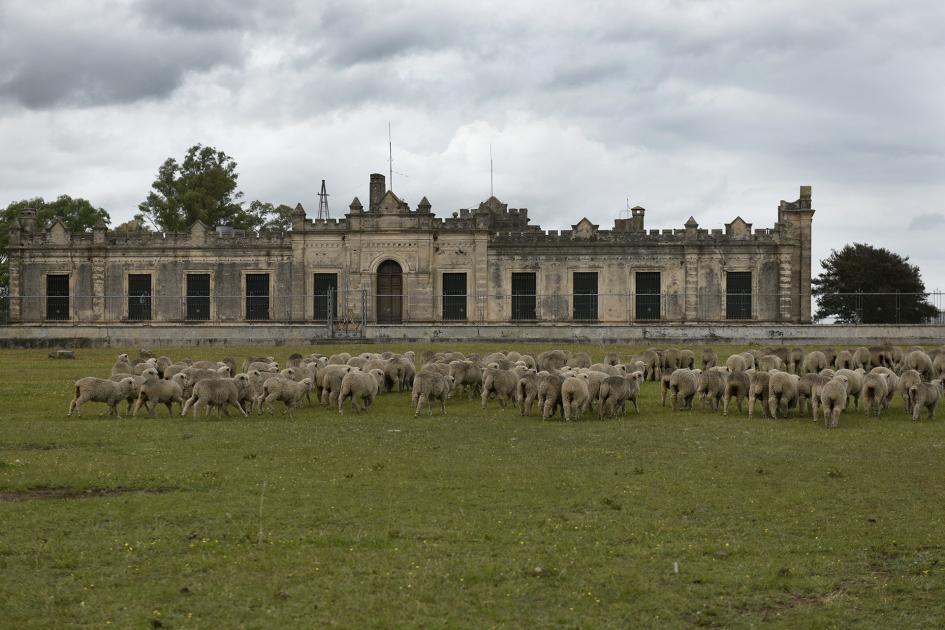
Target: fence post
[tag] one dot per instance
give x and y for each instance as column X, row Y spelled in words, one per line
column 330, row 314
column 363, row 309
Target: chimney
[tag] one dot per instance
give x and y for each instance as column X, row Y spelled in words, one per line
column 378, row 188
column 637, row 222
column 28, row 220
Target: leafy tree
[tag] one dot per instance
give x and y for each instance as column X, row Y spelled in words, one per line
column 77, row 214
column 870, row 285
column 202, row 187
column 273, row 218
column 134, row 226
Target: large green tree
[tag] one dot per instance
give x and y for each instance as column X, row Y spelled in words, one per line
column 203, row 186
column 77, row 215
column 871, row 285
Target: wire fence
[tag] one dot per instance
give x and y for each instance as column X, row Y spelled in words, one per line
column 354, row 309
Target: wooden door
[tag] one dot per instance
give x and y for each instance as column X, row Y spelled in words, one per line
column 390, row 289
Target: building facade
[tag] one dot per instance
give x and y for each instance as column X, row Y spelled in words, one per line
column 389, row 264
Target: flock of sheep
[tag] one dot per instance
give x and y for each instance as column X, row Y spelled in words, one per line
column 783, row 380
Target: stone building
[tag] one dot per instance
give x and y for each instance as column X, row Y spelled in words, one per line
column 388, row 263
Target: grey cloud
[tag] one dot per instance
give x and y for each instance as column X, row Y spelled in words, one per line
column 205, row 15
column 102, row 60
column 927, row 221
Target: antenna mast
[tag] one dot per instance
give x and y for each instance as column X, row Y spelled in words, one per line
column 491, row 187
column 323, row 203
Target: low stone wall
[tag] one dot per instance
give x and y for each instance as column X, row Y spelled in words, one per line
column 275, row 334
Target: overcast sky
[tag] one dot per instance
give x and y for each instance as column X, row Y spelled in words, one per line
column 712, row 109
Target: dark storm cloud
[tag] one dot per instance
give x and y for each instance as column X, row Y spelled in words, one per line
column 99, row 57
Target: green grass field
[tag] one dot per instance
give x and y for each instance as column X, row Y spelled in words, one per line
column 476, row 519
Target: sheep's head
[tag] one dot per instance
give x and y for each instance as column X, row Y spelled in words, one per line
column 150, row 374
column 123, row 357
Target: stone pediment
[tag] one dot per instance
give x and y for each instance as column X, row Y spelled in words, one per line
column 584, row 230
column 198, row 233
column 738, row 228
column 494, row 205
column 58, row 234
column 391, row 204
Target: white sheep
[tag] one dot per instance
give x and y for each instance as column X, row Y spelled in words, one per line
column 155, row 390
column 288, row 391
column 94, row 389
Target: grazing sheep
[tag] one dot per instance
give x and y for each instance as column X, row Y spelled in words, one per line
column 250, row 360
column 110, row 392
column 737, row 386
column 920, row 362
column 636, row 366
column 833, row 400
column 653, row 362
column 854, row 385
column 683, row 384
column 893, row 356
column 549, row 394
column 614, row 393
column 611, row 358
column 831, row 355
column 466, row 376
column 430, row 386
column 611, row 370
column 140, row 367
column 122, row 366
column 500, row 384
column 906, row 380
column 814, row 362
column 750, row 358
column 670, row 359
column 217, row 393
column 797, row 359
column 399, row 373
column 769, row 362
column 862, row 359
column 711, row 387
column 808, row 388
column 709, row 358
column 665, row 379
column 526, row 392
column 575, row 398
column 736, row 363
column 758, row 391
column 288, row 391
column 339, row 359
column 295, row 360
column 551, row 360
column 938, row 365
column 782, row 393
column 155, row 391
column 925, row 395
column 583, row 360
column 892, row 382
column 875, row 390
column 361, row 388
column 687, row 359
column 330, row 378
column 844, row 360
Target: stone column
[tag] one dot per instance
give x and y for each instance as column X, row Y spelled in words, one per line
column 692, row 287
column 14, row 295
column 785, row 288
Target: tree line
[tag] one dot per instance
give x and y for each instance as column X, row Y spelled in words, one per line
column 204, row 186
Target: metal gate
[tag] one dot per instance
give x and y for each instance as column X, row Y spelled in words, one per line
column 390, row 289
column 139, row 296
column 523, row 296
column 257, row 296
column 454, row 296
column 585, row 295
column 57, row 296
column 738, row 295
column 326, row 285
column 198, row 296
column 647, row 295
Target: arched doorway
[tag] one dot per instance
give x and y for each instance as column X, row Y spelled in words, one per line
column 390, row 290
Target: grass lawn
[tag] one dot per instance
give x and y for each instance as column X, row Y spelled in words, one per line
column 476, row 519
